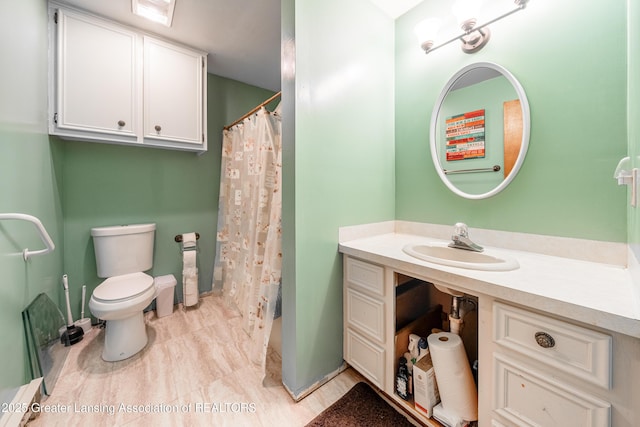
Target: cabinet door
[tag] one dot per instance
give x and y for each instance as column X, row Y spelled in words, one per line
column 366, row 314
column 173, row 93
column 96, row 76
column 366, row 276
column 526, row 397
column 365, row 357
column 578, row 351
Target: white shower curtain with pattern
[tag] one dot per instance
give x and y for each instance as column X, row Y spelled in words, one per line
column 248, row 248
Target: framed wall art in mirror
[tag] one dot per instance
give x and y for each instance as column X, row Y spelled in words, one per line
column 480, row 129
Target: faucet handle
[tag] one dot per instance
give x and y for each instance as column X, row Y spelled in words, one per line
column 461, row 229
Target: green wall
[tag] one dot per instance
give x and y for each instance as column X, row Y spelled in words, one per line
column 576, row 87
column 29, row 181
column 633, row 120
column 343, row 166
column 112, row 184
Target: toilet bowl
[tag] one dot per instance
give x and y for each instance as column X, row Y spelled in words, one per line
column 120, row 300
column 123, row 253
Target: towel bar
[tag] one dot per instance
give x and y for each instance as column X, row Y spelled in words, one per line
column 495, row 168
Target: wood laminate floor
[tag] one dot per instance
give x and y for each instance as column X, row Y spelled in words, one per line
column 193, row 372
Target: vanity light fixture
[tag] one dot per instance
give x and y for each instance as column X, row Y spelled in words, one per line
column 473, row 38
column 160, row 11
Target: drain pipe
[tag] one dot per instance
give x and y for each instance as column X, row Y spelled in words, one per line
column 455, row 320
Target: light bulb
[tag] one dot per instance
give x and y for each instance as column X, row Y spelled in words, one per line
column 466, row 12
column 426, row 31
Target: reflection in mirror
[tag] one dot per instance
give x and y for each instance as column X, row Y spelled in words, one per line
column 480, row 130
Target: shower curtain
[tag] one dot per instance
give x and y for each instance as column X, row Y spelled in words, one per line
column 248, row 248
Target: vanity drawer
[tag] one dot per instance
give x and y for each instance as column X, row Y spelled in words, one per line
column 526, row 397
column 365, row 275
column 365, row 314
column 581, row 352
column 365, row 357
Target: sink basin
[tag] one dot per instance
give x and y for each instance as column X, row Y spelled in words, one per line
column 440, row 253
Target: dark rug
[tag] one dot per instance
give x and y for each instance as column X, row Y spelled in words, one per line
column 359, row 407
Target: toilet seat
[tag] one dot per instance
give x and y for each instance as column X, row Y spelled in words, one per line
column 120, row 288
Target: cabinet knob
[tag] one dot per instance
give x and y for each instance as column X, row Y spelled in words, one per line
column 121, row 123
column 158, row 128
column 545, row 340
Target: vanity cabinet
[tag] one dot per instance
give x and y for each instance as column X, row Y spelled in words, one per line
column 381, row 308
column 539, row 366
column 535, row 368
column 110, row 83
column 366, row 320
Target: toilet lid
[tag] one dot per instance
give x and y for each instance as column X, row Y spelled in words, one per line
column 123, row 287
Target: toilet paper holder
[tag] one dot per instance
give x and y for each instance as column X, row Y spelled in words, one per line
column 178, row 237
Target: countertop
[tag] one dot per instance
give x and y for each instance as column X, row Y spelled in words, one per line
column 589, row 292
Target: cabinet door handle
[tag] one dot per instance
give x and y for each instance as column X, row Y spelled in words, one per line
column 545, row 340
column 121, row 123
column 158, row 128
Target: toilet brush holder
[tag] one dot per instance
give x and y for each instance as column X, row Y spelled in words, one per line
column 84, row 323
column 73, row 334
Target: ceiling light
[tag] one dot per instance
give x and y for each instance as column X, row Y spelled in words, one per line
column 160, row 11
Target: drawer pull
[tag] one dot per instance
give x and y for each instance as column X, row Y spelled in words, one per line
column 545, row 340
column 121, row 123
column 158, row 128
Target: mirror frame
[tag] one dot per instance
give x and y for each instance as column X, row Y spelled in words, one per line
column 526, row 129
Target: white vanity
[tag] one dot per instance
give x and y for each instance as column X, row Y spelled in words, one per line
column 558, row 337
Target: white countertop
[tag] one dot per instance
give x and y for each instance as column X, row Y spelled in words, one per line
column 589, row 292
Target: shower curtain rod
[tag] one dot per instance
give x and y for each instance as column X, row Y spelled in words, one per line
column 252, row 111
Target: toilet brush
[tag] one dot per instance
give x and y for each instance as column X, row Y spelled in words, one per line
column 73, row 334
column 84, row 322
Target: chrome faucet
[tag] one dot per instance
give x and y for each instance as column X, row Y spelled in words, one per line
column 460, row 239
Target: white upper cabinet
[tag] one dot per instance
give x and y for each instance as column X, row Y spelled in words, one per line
column 96, row 77
column 172, row 93
column 110, row 83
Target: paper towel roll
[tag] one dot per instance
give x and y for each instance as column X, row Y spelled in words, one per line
column 453, row 374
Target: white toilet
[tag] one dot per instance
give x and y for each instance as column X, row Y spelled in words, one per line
column 122, row 254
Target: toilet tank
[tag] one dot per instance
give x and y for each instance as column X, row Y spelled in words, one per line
column 123, row 249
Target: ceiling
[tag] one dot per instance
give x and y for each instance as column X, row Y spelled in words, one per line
column 242, row 37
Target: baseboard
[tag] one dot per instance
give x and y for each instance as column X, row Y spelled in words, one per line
column 20, row 410
column 297, row 397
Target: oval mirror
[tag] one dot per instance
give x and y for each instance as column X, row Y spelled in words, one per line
column 480, row 130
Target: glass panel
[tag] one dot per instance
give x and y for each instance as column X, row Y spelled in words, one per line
column 42, row 323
